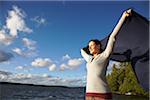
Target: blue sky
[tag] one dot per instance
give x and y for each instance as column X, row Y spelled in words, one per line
column 44, row 38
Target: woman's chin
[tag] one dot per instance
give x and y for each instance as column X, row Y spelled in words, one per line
column 91, row 52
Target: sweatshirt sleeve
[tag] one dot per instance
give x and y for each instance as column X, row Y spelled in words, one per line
column 111, row 41
column 109, row 48
column 86, row 56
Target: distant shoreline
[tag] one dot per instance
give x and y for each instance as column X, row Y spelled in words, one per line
column 11, row 83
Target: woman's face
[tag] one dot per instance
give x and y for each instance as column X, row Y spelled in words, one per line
column 93, row 48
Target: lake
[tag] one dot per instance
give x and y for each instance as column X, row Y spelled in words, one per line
column 11, row 91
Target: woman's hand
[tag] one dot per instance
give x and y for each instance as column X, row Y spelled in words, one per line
column 127, row 13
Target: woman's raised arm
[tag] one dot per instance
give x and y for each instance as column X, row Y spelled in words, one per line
column 86, row 56
column 111, row 41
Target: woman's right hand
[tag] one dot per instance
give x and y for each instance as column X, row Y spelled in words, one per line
column 127, row 13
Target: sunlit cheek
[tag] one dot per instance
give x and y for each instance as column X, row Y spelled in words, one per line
column 90, row 50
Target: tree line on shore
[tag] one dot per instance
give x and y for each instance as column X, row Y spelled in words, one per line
column 123, row 80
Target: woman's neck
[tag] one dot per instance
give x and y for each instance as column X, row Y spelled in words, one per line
column 94, row 55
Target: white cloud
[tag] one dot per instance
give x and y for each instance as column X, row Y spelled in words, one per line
column 39, row 20
column 19, row 67
column 66, row 57
column 15, row 22
column 21, row 76
column 44, row 62
column 71, row 64
column 40, row 62
column 29, row 50
column 5, row 38
column 44, row 79
column 63, row 67
column 4, row 75
column 74, row 63
column 45, row 75
column 30, row 44
column 18, row 51
column 24, row 68
column 52, row 67
column 24, row 53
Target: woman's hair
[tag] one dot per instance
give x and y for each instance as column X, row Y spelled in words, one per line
column 97, row 42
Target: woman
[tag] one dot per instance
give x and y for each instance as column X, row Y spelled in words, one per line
column 97, row 61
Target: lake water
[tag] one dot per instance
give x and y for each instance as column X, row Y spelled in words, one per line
column 31, row 92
